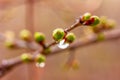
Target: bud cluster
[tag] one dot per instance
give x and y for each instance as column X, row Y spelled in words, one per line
column 105, row 24
column 88, row 19
column 59, row 34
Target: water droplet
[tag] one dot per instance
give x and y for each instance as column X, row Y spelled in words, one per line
column 40, row 65
column 62, row 44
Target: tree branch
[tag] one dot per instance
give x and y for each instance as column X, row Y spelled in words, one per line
column 7, row 65
column 76, row 24
column 88, row 40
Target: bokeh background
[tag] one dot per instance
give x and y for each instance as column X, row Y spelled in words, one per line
column 96, row 62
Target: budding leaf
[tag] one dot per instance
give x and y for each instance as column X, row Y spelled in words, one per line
column 39, row 37
column 96, row 20
column 47, row 51
column 25, row 57
column 86, row 16
column 70, row 37
column 40, row 58
column 9, row 44
column 100, row 37
column 25, row 35
column 58, row 34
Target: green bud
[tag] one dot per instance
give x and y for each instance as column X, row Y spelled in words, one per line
column 25, row 35
column 75, row 65
column 70, row 37
column 47, row 51
column 39, row 37
column 40, row 58
column 110, row 24
column 96, row 20
column 103, row 20
column 9, row 36
column 86, row 16
column 9, row 44
column 100, row 37
column 26, row 57
column 58, row 34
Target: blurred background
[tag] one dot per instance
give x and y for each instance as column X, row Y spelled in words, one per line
column 96, row 62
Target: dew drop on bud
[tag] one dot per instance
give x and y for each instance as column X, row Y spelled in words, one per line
column 40, row 65
column 62, row 44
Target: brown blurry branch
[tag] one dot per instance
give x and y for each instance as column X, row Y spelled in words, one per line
column 8, row 65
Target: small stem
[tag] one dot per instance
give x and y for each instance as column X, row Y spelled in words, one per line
column 51, row 44
column 72, row 27
column 43, row 45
